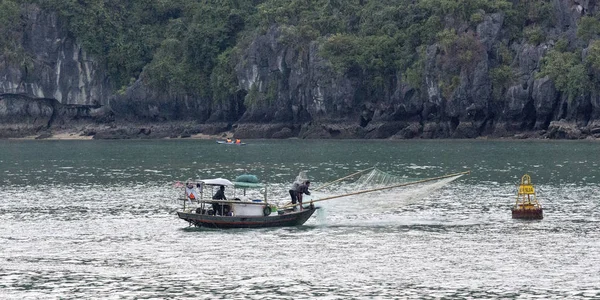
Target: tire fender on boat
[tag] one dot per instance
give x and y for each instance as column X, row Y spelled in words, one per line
column 266, row 211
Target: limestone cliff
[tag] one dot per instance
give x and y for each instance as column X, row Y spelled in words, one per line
column 291, row 91
column 53, row 83
column 311, row 96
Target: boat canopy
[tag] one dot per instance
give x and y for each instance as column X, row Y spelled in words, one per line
column 217, row 181
column 247, row 181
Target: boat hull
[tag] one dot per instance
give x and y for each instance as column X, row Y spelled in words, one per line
column 224, row 222
column 528, row 214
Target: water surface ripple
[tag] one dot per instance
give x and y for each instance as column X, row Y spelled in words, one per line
column 96, row 219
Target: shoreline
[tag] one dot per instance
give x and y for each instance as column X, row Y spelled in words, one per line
column 82, row 136
column 245, row 131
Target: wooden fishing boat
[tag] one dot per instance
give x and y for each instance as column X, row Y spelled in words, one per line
column 283, row 218
column 259, row 213
column 527, row 206
column 242, row 212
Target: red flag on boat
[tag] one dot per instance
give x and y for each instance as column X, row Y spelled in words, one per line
column 178, row 184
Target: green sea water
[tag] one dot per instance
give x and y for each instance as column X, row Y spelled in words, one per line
column 96, row 219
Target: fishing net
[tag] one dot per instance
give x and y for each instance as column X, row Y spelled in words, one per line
column 377, row 178
column 373, row 179
column 379, row 185
column 382, row 190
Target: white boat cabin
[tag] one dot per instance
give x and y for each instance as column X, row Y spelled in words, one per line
column 221, row 197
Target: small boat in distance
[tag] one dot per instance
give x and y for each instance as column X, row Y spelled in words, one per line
column 527, row 206
column 231, row 142
column 241, row 212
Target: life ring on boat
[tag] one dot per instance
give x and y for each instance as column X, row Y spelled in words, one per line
column 266, row 211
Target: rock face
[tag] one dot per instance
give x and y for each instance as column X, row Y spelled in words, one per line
column 23, row 116
column 291, row 85
column 309, row 94
column 55, row 85
column 291, row 91
column 58, row 67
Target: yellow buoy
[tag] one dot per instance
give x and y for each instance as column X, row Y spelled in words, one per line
column 527, row 206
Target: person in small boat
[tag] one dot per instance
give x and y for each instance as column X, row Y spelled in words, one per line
column 298, row 189
column 190, row 192
column 238, row 141
column 220, row 208
column 228, row 140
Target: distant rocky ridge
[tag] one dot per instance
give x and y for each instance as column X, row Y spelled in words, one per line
column 65, row 89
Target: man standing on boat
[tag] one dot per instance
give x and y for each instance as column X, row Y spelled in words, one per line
column 222, row 209
column 220, row 194
column 297, row 191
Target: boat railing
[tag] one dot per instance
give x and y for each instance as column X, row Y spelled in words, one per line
column 231, row 201
column 200, row 203
column 203, row 189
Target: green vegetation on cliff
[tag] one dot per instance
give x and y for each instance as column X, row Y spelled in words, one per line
column 9, row 29
column 192, row 47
